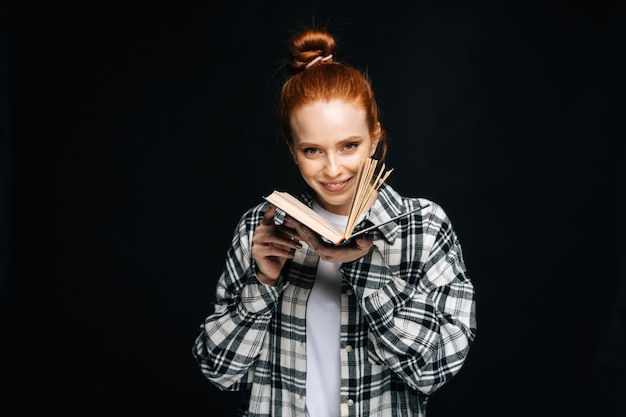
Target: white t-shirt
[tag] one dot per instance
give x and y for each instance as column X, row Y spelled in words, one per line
column 323, row 331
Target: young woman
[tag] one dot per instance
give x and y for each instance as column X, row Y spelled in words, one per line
column 370, row 328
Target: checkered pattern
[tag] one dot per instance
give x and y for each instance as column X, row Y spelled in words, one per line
column 407, row 321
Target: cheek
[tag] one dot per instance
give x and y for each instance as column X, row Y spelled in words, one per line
column 309, row 169
column 306, row 167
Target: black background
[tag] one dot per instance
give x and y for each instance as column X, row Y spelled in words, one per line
column 135, row 135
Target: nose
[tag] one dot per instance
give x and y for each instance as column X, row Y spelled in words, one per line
column 332, row 167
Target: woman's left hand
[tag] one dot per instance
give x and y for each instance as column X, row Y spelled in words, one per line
column 359, row 247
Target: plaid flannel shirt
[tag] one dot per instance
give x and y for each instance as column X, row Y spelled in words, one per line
column 407, row 318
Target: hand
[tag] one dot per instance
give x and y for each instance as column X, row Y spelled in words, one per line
column 352, row 251
column 272, row 245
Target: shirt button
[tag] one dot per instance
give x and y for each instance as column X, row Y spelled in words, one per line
column 349, row 403
column 349, row 348
column 349, row 292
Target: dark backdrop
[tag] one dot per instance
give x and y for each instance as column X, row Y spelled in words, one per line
column 134, row 136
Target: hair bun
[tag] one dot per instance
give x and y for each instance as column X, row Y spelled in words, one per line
column 308, row 48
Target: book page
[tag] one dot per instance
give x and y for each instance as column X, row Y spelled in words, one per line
column 305, row 215
column 370, row 176
column 366, row 186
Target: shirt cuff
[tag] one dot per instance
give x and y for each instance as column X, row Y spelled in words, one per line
column 259, row 298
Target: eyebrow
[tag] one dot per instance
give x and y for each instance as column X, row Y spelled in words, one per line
column 306, row 144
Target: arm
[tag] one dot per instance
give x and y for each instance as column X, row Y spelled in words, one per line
column 231, row 337
column 421, row 318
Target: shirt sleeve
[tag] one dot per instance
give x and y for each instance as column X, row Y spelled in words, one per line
column 420, row 313
column 232, row 336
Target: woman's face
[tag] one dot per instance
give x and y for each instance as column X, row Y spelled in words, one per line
column 330, row 139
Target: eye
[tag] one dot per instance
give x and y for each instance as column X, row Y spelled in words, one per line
column 310, row 151
column 350, row 146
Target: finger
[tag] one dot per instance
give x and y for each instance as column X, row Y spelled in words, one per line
column 276, row 250
column 268, row 217
column 290, row 222
column 363, row 242
column 288, row 244
column 311, row 238
column 303, row 233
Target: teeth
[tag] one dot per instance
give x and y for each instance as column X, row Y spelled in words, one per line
column 335, row 185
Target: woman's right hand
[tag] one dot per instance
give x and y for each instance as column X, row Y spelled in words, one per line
column 272, row 245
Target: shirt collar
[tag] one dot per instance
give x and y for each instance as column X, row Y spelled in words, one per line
column 387, row 205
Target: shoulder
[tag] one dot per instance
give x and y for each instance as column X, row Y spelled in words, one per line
column 250, row 219
column 431, row 212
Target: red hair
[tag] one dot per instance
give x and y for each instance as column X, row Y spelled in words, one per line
column 324, row 80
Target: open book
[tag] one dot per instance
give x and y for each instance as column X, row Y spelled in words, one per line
column 370, row 177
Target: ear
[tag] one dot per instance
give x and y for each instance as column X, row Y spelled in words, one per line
column 376, row 135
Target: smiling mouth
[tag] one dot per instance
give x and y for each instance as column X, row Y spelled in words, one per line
column 334, row 185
